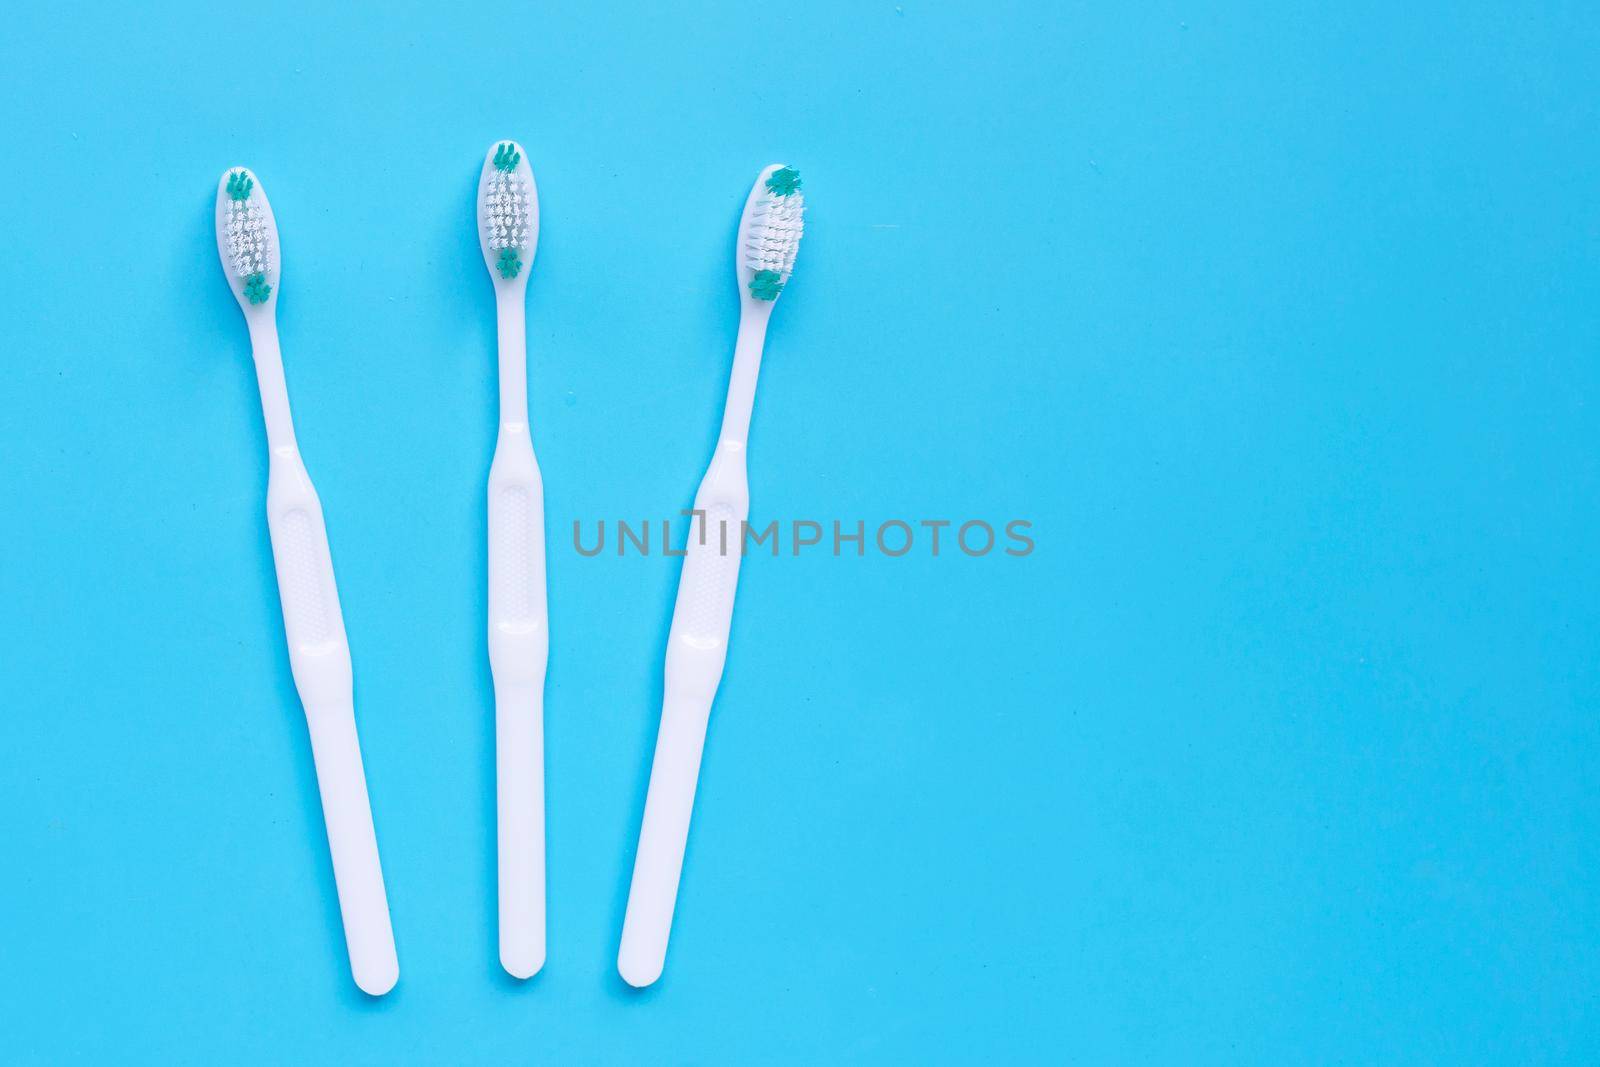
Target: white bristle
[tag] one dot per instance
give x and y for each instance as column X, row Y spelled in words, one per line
column 249, row 238
column 506, row 202
column 774, row 233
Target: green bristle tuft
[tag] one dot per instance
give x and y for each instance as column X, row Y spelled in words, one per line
column 239, row 185
column 766, row 285
column 783, row 181
column 509, row 265
column 506, row 157
column 256, row 289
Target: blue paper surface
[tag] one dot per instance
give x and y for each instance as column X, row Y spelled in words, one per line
column 1277, row 324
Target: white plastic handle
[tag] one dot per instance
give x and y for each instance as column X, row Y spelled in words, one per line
column 363, row 905
column 319, row 655
column 653, row 896
column 697, row 648
column 519, row 760
column 519, row 645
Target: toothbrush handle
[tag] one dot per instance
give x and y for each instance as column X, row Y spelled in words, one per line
column 519, row 777
column 696, row 654
column 362, row 902
column 653, row 896
column 319, row 656
column 518, row 651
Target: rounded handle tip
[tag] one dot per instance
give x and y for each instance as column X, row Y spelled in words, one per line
column 639, row 970
column 522, row 963
column 376, row 978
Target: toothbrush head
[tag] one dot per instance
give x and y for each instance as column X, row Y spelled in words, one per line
column 508, row 213
column 247, row 239
column 769, row 233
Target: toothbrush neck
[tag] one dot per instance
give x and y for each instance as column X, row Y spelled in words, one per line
column 746, row 366
column 269, row 375
column 513, row 359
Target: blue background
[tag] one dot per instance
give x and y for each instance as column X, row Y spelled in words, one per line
column 1278, row 322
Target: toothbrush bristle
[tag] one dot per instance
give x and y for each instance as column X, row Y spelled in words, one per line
column 249, row 237
column 507, row 212
column 773, row 237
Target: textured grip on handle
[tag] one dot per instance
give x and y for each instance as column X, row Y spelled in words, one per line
column 304, row 573
column 312, row 621
column 363, row 904
column 710, row 576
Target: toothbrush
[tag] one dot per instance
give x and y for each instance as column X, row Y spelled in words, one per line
column 519, row 638
column 319, row 653
column 697, row 645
